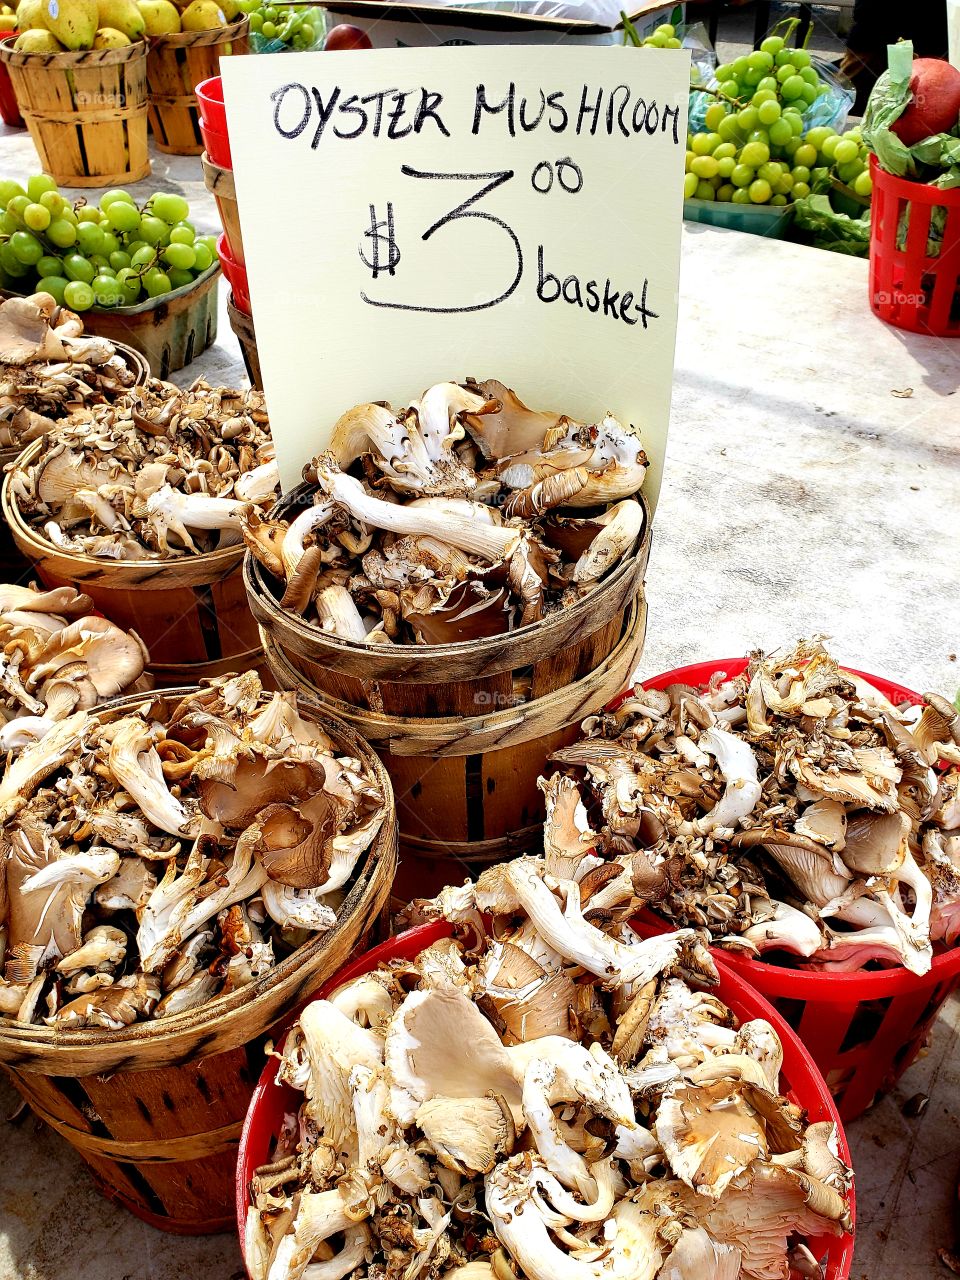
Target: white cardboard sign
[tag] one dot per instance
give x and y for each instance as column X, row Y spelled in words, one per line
column 422, row 215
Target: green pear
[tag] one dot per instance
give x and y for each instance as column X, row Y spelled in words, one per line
column 31, row 15
column 160, row 17
column 121, row 15
column 73, row 22
column 110, row 38
column 202, row 15
column 37, row 41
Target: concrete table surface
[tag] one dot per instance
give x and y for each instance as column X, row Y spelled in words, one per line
column 812, row 487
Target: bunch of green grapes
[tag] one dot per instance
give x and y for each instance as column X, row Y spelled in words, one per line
column 112, row 254
column 663, row 37
column 755, row 149
column 297, row 25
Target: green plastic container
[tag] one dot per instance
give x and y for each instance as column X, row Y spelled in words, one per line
column 755, row 219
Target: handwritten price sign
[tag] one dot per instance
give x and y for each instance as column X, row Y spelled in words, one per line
column 416, row 215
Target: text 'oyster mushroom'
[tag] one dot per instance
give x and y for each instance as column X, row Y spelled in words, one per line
column 158, row 474
column 461, row 516
column 155, row 858
column 49, row 368
column 793, row 808
column 628, row 1129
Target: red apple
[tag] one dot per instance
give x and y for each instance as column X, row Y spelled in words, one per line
column 935, row 88
column 347, row 37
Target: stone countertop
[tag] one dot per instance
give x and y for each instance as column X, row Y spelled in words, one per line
column 812, row 487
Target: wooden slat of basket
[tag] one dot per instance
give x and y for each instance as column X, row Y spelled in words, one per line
column 220, row 184
column 176, row 64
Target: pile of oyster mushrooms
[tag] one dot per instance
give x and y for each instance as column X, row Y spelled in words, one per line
column 50, row 369
column 793, row 809
column 156, row 858
column 462, row 516
column 58, row 657
column 543, row 1095
column 158, row 474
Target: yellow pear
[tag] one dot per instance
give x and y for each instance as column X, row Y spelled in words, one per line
column 73, row 22
column 110, row 38
column 160, row 16
column 37, row 41
column 231, row 10
column 8, row 22
column 202, row 15
column 121, row 15
column 31, row 15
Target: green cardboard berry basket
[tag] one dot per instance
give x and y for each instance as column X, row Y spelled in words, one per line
column 755, row 219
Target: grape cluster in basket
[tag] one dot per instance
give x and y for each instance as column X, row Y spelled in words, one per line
column 756, row 150
column 113, row 254
column 298, row 26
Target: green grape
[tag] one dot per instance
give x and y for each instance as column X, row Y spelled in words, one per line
column 78, row 295
column 729, row 89
column 256, row 22
column 269, row 13
column 27, row 248
column 111, row 197
column 54, row 285
column 269, row 32
column 61, row 233
column 739, row 65
column 110, row 243
column 38, row 184
column 778, row 199
column 854, row 135
column 76, row 267
column 36, row 217
column 818, row 136
column 771, row 172
column 772, row 45
column 119, row 260
column 122, row 216
column 210, row 242
column 8, row 224
column 154, row 230
column 726, row 166
column 182, row 256
column 705, row 191
column 760, row 60
column 308, row 35
column 702, row 166
column 791, row 88
column 768, row 84
column 800, row 189
column 801, row 173
column 790, row 148
column 179, row 276
column 666, row 29
column 725, row 192
column 129, row 282
column 714, row 114
column 819, row 175
column 690, row 184
column 155, row 283
column 69, row 215
column 182, row 234
column 52, row 201
column 786, row 73
column 89, row 238
column 782, row 58
column 780, row 132
column 845, row 151
column 145, row 257
column 741, row 195
column 49, row 265
column 784, row 184
column 89, row 213
column 795, row 120
column 101, row 263
column 752, row 77
column 9, row 189
column 754, row 154
column 170, row 207
column 759, row 135
column 205, row 256
column 132, row 246
column 700, row 144
column 747, row 119
column 863, row 184
column 768, row 113
column 688, row 160
column 18, row 205
column 725, row 71
column 728, row 129
column 828, row 148
column 760, row 191
column 805, row 154
column 762, row 96
column 724, row 150
column 10, row 263
column 800, row 57
column 808, row 94
column 810, row 76
column 742, row 175
column 107, row 291
column 849, row 173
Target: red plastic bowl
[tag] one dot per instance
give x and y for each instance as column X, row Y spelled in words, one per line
column 862, row 1029
column 800, row 1079
column 9, row 111
column 217, row 145
column 210, row 102
column 236, row 275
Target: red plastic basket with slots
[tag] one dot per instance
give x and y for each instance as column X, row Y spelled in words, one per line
column 862, row 1029
column 800, row 1079
column 909, row 288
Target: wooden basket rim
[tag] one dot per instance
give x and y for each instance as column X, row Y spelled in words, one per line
column 492, row 654
column 210, row 171
column 208, row 567
column 224, row 1012
column 211, row 36
column 69, row 59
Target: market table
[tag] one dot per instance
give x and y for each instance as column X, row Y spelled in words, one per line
column 811, row 486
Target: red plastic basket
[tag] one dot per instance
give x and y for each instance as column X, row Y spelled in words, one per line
column 908, row 288
column 217, row 145
column 9, row 111
column 800, row 1079
column 236, row 275
column 210, row 103
column 862, row 1029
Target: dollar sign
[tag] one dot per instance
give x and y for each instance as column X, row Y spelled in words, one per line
column 381, row 233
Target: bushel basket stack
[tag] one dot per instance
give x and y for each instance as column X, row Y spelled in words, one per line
column 176, row 64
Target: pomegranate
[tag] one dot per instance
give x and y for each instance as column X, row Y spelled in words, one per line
column 935, row 89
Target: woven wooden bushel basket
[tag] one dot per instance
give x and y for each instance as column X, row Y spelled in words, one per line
column 191, row 613
column 156, row 1109
column 464, row 729
column 176, row 64
column 14, row 565
column 220, row 184
column 242, row 326
column 86, row 112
